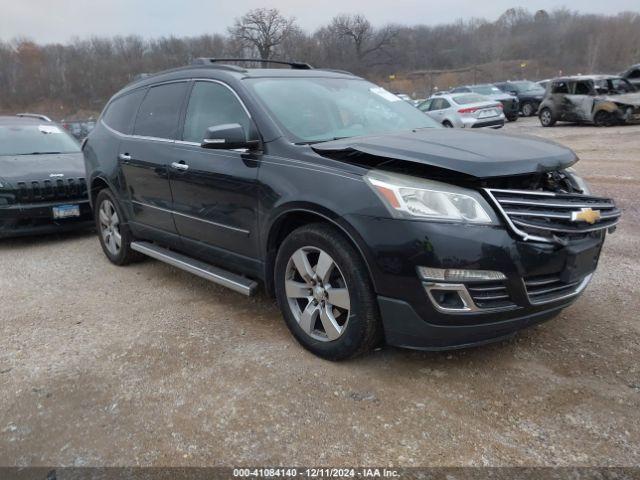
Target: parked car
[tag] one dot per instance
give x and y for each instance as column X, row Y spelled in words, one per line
column 464, row 110
column 42, row 178
column 599, row 99
column 632, row 74
column 529, row 94
column 510, row 104
column 364, row 217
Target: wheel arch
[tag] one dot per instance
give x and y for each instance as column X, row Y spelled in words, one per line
column 293, row 217
column 96, row 184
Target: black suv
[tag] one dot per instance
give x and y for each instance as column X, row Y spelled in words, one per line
column 365, row 218
column 42, row 184
column 529, row 94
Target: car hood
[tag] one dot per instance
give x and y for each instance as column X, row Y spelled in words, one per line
column 25, row 168
column 626, row 98
column 479, row 154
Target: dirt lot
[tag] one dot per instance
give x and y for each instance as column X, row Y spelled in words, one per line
column 147, row 365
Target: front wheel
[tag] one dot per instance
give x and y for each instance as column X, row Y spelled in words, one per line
column 115, row 236
column 603, row 119
column 325, row 293
column 546, row 118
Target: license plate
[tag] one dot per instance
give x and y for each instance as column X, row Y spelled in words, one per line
column 488, row 113
column 581, row 261
column 66, row 211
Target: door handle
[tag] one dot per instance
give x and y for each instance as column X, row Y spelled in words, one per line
column 180, row 166
column 125, row 157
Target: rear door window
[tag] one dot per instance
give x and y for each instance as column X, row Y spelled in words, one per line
column 160, row 111
column 122, row 111
column 582, row 88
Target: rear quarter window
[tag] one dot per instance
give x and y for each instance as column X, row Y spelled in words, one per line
column 121, row 111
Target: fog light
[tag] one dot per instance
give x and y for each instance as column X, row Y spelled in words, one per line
column 458, row 275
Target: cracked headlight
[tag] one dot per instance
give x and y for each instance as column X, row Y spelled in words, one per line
column 580, row 182
column 420, row 199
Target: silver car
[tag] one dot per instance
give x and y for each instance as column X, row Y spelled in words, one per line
column 464, row 110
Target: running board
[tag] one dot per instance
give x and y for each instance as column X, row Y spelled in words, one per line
column 208, row 272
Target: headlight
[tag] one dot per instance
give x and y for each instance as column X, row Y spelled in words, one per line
column 416, row 198
column 579, row 181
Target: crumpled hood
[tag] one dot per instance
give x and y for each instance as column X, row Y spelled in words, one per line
column 481, row 154
column 25, row 168
column 626, row 98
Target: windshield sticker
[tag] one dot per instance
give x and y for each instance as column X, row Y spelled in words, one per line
column 49, row 129
column 384, row 94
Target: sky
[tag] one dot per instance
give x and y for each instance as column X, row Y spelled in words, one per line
column 48, row 21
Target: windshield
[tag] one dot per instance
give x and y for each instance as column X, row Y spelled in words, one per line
column 315, row 110
column 35, row 139
column 469, row 98
column 486, row 89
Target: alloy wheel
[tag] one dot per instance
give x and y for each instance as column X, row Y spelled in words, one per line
column 110, row 227
column 317, row 294
column 527, row 110
column 545, row 116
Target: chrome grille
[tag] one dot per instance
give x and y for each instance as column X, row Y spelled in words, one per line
column 490, row 294
column 551, row 217
column 51, row 190
column 549, row 288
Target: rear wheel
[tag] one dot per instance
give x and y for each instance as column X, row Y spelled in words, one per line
column 447, row 124
column 527, row 109
column 115, row 236
column 325, row 294
column 546, row 117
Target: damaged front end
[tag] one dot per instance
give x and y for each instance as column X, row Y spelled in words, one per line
column 612, row 109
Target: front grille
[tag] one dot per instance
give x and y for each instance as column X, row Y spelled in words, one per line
column 547, row 288
column 490, row 294
column 553, row 217
column 51, row 190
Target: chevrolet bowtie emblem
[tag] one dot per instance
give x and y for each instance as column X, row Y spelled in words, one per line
column 586, row 215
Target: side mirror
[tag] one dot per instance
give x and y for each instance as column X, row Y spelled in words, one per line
column 227, row 137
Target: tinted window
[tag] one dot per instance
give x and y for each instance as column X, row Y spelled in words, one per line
column 160, row 110
column 212, row 104
column 122, row 111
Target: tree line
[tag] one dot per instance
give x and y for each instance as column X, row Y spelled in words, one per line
column 84, row 73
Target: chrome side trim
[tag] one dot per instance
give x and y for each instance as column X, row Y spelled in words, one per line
column 221, row 225
column 583, row 284
column 217, row 275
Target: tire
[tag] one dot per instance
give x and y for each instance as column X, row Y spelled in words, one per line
column 447, row 124
column 603, row 119
column 527, row 109
column 110, row 225
column 332, row 265
column 547, row 119
column 512, row 118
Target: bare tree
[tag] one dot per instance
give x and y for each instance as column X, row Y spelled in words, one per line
column 365, row 39
column 262, row 29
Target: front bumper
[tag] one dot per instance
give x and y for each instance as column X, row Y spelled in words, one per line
column 412, row 319
column 37, row 218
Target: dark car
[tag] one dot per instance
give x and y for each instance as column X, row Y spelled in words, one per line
column 632, row 74
column 510, row 104
column 603, row 100
column 42, row 178
column 364, row 217
column 529, row 94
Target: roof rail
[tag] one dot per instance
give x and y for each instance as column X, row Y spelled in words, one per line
column 34, row 115
column 335, row 70
column 293, row 65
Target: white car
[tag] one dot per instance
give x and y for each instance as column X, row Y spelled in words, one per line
column 464, row 110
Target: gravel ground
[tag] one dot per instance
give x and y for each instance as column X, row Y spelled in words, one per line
column 146, row 365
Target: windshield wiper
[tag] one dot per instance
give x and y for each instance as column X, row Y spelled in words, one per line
column 313, row 142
